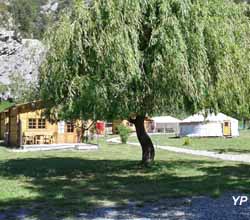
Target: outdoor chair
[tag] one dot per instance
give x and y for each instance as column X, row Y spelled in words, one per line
column 28, row 140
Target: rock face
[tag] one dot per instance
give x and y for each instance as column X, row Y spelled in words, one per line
column 17, row 55
column 51, row 6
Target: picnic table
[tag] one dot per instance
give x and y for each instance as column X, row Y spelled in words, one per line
column 38, row 138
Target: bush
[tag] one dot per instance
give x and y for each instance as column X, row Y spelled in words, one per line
column 187, row 142
column 124, row 133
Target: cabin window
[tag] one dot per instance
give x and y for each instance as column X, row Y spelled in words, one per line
column 70, row 127
column 41, row 123
column 32, row 123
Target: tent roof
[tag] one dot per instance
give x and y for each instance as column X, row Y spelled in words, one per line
column 165, row 119
column 220, row 117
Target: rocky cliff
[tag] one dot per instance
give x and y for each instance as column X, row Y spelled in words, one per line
column 24, row 56
column 19, row 56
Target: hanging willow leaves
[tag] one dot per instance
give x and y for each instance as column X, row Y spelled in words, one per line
column 116, row 58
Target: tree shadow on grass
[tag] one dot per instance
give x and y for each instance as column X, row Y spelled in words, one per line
column 66, row 186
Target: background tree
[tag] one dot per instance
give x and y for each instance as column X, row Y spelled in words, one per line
column 22, row 90
column 129, row 59
column 24, row 13
column 30, row 19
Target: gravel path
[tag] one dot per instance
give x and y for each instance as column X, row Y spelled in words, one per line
column 192, row 208
column 230, row 157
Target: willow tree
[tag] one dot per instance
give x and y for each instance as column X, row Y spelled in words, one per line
column 128, row 59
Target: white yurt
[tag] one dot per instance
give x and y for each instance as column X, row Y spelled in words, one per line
column 214, row 125
column 165, row 124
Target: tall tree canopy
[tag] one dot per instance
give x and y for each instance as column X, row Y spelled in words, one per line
column 128, row 59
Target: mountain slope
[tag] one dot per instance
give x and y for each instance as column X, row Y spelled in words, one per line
column 22, row 25
column 19, row 56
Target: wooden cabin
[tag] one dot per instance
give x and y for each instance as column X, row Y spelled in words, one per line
column 25, row 124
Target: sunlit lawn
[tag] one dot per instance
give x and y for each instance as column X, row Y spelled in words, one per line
column 66, row 182
column 239, row 144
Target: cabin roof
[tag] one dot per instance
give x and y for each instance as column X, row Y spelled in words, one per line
column 20, row 105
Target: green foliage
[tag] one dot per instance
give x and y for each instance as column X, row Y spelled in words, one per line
column 187, row 141
column 4, row 105
column 4, row 15
column 124, row 132
column 22, row 90
column 122, row 57
column 29, row 18
column 3, row 8
column 3, row 88
column 24, row 13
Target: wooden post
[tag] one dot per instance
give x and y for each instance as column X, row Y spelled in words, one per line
column 9, row 124
column 20, row 132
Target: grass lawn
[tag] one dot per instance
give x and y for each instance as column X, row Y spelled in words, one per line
column 224, row 145
column 64, row 183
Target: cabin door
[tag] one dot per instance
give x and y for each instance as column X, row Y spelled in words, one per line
column 60, row 132
column 227, row 128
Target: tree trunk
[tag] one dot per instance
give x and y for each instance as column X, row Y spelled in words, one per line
column 148, row 152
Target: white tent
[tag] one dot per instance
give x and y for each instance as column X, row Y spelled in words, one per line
column 211, row 126
column 165, row 124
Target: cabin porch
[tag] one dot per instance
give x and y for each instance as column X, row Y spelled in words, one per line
column 48, row 147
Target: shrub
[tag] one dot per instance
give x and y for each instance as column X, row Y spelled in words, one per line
column 124, row 133
column 187, row 142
